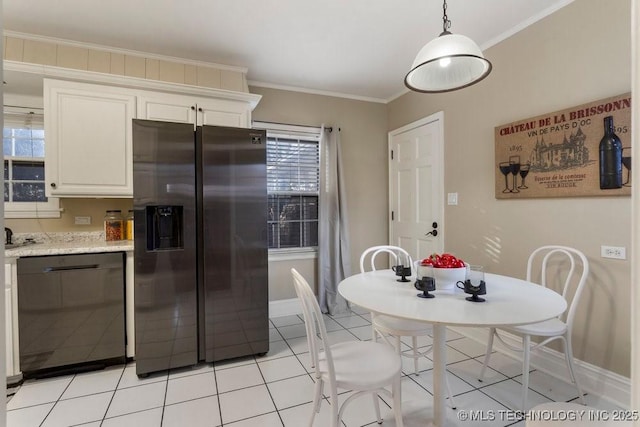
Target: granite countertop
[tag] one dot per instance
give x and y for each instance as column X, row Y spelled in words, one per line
column 65, row 243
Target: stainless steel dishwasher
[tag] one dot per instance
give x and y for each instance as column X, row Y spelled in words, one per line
column 70, row 312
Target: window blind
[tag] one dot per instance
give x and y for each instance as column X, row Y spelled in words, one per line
column 292, row 165
column 23, row 133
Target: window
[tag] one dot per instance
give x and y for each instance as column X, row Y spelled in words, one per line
column 293, row 180
column 24, row 169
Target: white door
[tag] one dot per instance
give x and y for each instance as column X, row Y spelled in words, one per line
column 416, row 186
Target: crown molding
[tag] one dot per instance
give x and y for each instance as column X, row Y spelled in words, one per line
column 129, row 52
column 524, row 24
column 316, row 92
column 49, row 71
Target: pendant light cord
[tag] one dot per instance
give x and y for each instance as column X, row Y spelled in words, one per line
column 446, row 24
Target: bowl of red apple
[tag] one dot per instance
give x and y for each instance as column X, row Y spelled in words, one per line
column 445, row 268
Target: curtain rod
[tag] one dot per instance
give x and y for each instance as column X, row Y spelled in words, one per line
column 329, row 128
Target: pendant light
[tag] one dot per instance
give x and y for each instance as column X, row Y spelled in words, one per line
column 447, row 63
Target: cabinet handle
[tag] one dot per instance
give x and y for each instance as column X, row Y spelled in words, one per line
column 53, row 185
column 200, row 109
column 70, row 267
column 193, row 108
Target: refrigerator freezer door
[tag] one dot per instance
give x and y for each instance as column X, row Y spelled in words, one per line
column 165, row 286
column 234, row 242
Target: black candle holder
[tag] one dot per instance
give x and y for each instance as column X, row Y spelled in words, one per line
column 426, row 285
column 469, row 288
column 403, row 272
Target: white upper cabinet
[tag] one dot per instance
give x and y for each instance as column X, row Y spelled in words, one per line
column 88, row 139
column 88, row 130
column 195, row 110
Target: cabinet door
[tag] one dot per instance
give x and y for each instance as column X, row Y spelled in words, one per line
column 8, row 313
column 223, row 113
column 89, row 140
column 10, row 319
column 167, row 108
column 195, row 110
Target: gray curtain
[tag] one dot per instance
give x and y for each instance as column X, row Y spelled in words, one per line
column 334, row 256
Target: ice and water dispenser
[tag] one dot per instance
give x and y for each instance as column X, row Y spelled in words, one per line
column 165, row 227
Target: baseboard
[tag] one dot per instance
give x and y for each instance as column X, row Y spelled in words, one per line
column 611, row 386
column 284, row 307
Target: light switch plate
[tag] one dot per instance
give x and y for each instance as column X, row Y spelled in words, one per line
column 452, row 198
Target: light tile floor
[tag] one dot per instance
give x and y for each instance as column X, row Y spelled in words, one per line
column 277, row 389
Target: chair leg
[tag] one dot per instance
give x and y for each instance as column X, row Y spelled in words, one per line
column 396, row 390
column 317, row 398
column 414, row 341
column 487, row 356
column 376, row 405
column 568, row 355
column 335, row 405
column 526, row 349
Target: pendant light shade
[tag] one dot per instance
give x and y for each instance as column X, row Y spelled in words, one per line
column 447, row 63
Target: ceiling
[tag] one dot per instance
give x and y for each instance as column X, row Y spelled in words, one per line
column 353, row 48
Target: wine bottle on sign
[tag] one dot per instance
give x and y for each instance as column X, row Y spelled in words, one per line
column 610, row 157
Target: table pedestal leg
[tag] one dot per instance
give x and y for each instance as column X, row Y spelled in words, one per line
column 439, row 372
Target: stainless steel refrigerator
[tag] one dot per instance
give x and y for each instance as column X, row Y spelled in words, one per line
column 200, row 244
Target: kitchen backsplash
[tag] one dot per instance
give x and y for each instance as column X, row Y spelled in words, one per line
column 60, row 237
column 71, row 208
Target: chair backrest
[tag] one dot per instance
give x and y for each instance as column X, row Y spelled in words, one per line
column 374, row 251
column 314, row 324
column 564, row 265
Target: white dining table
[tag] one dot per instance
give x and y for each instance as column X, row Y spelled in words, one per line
column 509, row 302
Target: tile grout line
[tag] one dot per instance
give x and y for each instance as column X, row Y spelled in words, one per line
column 215, row 380
column 112, row 396
column 481, row 387
column 57, row 400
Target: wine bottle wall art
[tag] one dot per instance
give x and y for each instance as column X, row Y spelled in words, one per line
column 581, row 151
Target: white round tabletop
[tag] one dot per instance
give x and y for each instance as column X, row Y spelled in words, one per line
column 509, row 301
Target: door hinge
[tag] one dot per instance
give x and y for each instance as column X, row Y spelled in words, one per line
column 391, row 154
column 392, row 215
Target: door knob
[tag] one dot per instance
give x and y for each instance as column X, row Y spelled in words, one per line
column 433, row 232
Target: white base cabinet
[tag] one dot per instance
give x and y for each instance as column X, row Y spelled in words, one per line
column 129, row 309
column 11, row 316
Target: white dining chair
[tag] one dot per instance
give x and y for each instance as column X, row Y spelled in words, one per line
column 548, row 265
column 365, row 367
column 385, row 326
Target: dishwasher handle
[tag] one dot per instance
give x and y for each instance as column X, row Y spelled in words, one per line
column 70, row 267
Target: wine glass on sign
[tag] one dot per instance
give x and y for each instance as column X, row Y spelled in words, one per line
column 514, row 167
column 626, row 162
column 505, row 169
column 524, row 171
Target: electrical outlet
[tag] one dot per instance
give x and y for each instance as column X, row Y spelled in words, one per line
column 615, row 252
column 82, row 220
column 452, row 198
